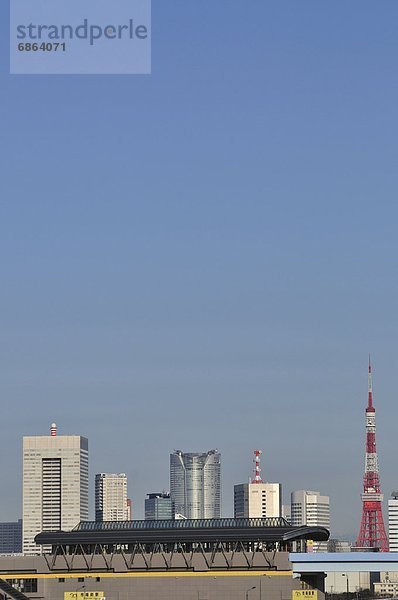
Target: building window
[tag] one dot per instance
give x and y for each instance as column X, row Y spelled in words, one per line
column 61, row 580
column 24, row 585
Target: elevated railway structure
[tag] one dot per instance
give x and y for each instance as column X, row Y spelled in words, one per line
column 200, row 544
column 219, row 559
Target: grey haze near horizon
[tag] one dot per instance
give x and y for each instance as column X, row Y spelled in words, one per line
column 204, row 257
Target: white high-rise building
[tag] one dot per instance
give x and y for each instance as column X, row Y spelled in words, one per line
column 393, row 522
column 257, row 500
column 310, row 508
column 195, row 484
column 55, row 485
column 111, row 503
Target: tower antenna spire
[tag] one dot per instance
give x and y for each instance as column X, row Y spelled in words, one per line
column 372, row 533
column 257, row 469
column 370, row 389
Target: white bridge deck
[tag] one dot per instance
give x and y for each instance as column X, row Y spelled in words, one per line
column 342, row 562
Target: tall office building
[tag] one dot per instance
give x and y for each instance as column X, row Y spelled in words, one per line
column 310, row 508
column 393, row 522
column 195, row 484
column 257, row 499
column 158, row 507
column 55, row 485
column 111, row 502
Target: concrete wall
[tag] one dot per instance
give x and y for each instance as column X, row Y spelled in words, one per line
column 336, row 583
column 153, row 585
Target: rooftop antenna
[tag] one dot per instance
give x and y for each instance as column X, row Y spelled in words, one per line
column 257, row 469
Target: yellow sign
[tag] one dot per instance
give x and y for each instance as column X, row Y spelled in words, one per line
column 84, row 595
column 305, row 595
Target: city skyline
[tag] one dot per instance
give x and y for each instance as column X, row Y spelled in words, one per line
column 226, row 493
column 45, row 443
column 205, row 256
column 195, row 485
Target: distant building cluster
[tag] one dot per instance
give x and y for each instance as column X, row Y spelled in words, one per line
column 56, row 493
column 56, row 488
column 56, row 484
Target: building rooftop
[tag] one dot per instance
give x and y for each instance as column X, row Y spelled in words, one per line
column 269, row 530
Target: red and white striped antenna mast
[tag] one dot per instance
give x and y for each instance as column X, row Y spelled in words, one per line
column 257, row 469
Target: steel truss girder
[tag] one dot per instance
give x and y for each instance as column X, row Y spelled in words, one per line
column 141, row 557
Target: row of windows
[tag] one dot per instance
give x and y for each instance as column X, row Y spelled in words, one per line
column 24, row 585
column 79, row 579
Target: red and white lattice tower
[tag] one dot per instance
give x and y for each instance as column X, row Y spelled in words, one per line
column 372, row 533
column 53, row 430
column 257, row 470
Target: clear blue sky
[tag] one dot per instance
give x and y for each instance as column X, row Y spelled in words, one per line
column 205, row 256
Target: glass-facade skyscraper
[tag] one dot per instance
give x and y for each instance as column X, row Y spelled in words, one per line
column 11, row 537
column 158, row 507
column 195, row 484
